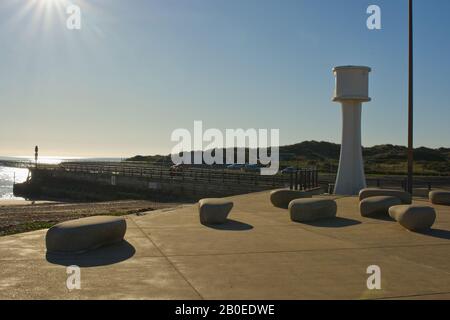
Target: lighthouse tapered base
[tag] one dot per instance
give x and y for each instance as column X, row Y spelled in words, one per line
column 350, row 177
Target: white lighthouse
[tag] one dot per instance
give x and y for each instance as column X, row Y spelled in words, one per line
column 352, row 89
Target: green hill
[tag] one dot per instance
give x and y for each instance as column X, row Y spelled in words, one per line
column 380, row 159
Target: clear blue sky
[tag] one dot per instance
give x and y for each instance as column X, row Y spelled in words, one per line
column 139, row 69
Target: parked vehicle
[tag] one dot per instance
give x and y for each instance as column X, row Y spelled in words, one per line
column 251, row 168
column 236, row 166
column 288, row 170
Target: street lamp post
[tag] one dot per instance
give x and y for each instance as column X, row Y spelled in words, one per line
column 410, row 103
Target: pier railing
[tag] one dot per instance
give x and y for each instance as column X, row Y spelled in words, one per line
column 302, row 179
column 26, row 164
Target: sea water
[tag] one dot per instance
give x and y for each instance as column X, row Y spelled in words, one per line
column 7, row 178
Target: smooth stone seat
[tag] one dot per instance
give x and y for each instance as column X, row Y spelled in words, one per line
column 77, row 236
column 305, row 210
column 282, row 198
column 214, row 211
column 413, row 217
column 439, row 197
column 404, row 196
column 377, row 205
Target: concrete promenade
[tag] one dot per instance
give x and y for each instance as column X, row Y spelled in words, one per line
column 260, row 254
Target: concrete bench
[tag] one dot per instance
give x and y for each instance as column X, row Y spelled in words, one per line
column 77, row 236
column 404, row 196
column 377, row 205
column 439, row 197
column 413, row 217
column 214, row 211
column 306, row 210
column 282, row 198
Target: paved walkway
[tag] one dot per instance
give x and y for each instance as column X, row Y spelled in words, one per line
column 261, row 254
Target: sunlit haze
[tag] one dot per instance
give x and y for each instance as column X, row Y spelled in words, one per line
column 137, row 70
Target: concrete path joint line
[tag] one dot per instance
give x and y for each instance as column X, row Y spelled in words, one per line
column 170, row 262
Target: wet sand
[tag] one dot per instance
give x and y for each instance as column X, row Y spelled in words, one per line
column 21, row 215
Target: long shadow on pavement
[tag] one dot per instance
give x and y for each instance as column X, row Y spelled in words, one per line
column 99, row 257
column 231, row 225
column 437, row 233
column 337, row 222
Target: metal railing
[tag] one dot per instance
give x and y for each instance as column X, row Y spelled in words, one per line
column 394, row 182
column 26, row 164
column 302, row 179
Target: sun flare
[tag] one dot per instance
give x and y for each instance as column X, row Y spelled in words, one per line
column 52, row 1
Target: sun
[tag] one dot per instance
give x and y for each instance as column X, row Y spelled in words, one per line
column 46, row 16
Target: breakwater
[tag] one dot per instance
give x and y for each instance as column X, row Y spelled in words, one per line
column 106, row 181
